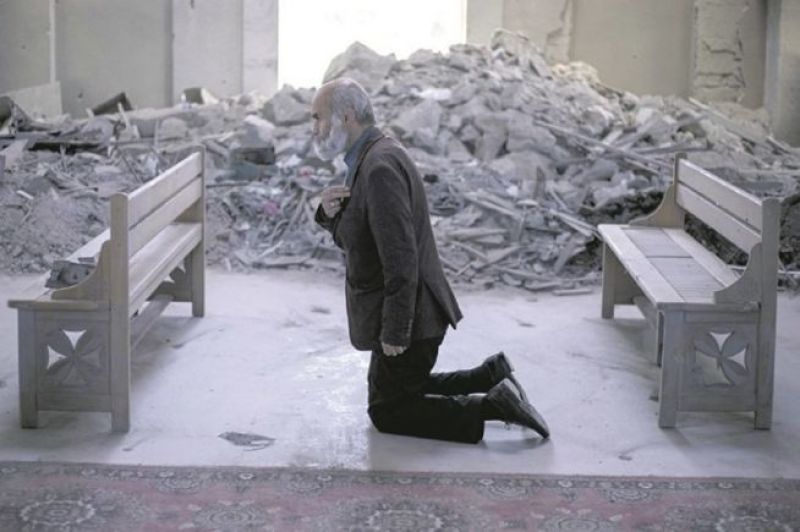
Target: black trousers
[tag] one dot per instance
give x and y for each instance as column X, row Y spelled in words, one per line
column 406, row 398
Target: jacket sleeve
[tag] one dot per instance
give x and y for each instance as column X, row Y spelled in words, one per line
column 391, row 222
column 329, row 224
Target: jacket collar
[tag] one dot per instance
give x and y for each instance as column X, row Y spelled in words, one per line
column 355, row 156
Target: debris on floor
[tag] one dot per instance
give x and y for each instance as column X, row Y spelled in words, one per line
column 521, row 160
column 254, row 442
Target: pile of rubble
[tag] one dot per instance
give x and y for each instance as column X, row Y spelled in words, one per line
column 521, row 160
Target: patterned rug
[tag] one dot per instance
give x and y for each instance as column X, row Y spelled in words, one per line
column 65, row 497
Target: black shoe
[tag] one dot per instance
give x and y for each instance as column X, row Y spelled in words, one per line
column 516, row 410
column 500, row 368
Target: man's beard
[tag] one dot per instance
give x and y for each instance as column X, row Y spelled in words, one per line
column 334, row 144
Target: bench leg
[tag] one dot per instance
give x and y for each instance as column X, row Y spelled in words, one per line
column 670, row 368
column 612, row 270
column 763, row 417
column 197, row 277
column 659, row 338
column 120, row 360
column 27, row 369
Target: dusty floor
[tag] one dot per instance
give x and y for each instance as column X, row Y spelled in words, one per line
column 272, row 358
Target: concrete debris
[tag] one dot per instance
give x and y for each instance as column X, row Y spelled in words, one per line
column 113, row 104
column 67, row 273
column 425, row 116
column 362, row 64
column 198, row 95
column 42, row 102
column 286, row 108
column 252, row 442
column 527, row 54
column 520, row 160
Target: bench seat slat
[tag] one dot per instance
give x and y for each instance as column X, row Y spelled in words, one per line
column 154, row 262
column 655, row 243
column 688, row 278
column 670, row 267
column 713, row 264
column 639, row 266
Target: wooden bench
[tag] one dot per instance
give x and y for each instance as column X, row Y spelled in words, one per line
column 715, row 330
column 75, row 342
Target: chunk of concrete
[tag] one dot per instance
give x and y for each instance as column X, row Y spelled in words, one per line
column 13, row 153
column 494, row 129
column 425, row 115
column 172, row 128
column 427, row 140
column 198, row 95
column 523, row 135
column 258, row 130
column 285, row 109
column 597, row 120
column 41, row 101
column 457, row 151
column 528, row 54
column 111, row 106
column 362, row 64
column 463, row 92
column 522, row 166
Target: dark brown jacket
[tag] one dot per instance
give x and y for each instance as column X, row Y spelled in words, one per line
column 396, row 290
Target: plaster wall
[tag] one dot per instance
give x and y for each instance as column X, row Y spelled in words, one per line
column 108, row 46
column 638, row 45
column 483, row 17
column 260, row 46
column 548, row 23
column 24, row 44
column 782, row 84
column 207, row 50
column 729, row 50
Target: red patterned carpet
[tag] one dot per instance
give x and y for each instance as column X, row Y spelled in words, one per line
column 65, row 497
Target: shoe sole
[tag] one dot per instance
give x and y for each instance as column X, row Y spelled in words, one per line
column 514, row 381
column 538, row 422
column 542, row 428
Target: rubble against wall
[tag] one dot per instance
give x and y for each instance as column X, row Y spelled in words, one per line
column 521, row 160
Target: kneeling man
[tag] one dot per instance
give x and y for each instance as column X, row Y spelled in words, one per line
column 399, row 303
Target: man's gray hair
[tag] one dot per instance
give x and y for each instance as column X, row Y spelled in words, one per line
column 348, row 93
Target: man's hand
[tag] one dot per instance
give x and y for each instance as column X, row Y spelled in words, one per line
column 332, row 198
column 392, row 350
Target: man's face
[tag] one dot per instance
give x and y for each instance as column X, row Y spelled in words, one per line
column 329, row 134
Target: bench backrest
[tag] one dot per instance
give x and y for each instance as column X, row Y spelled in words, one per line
column 730, row 211
column 140, row 215
column 136, row 218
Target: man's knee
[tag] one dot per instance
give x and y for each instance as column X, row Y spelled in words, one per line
column 380, row 419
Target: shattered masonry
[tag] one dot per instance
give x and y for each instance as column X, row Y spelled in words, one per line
column 521, row 159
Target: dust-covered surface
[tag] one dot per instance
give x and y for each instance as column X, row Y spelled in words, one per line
column 521, row 160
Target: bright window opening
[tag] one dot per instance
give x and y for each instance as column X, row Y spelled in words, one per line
column 312, row 32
